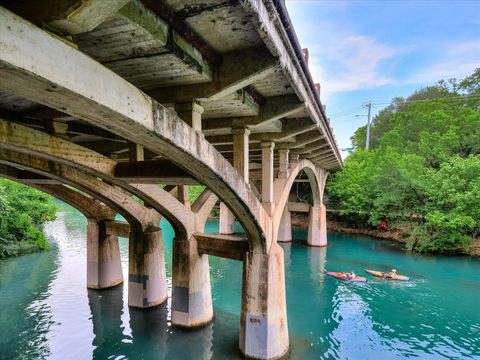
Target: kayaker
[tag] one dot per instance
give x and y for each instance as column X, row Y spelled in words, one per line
column 391, row 274
column 350, row 275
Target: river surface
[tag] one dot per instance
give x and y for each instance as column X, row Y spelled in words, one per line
column 47, row 312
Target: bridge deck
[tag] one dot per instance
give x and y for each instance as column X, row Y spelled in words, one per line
column 230, row 58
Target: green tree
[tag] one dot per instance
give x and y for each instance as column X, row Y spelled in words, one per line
column 22, row 211
column 423, row 168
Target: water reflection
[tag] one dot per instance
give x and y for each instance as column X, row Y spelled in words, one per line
column 47, row 312
column 24, row 291
column 106, row 309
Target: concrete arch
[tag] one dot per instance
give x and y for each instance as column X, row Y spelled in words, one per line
column 30, row 141
column 147, row 276
column 186, row 222
column 97, row 95
column 88, row 206
column 282, row 187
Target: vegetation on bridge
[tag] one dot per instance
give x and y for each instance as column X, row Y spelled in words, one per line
column 23, row 211
column 422, row 173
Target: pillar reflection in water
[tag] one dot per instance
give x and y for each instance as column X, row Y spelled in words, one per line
column 106, row 308
column 317, row 259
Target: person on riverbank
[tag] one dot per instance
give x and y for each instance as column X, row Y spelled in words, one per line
column 383, row 225
column 391, row 274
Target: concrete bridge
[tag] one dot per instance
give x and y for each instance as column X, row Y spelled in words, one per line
column 103, row 101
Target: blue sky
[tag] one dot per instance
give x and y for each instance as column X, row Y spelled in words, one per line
column 376, row 50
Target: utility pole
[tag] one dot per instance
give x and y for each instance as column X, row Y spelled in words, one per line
column 367, row 142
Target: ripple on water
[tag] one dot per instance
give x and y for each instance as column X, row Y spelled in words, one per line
column 46, row 311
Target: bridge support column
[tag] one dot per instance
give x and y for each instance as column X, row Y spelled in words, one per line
column 147, row 283
column 263, row 321
column 191, row 294
column 267, row 176
column 285, row 230
column 317, row 226
column 104, row 267
column 191, row 113
column 227, row 220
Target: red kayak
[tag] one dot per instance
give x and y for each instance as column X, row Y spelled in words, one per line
column 341, row 275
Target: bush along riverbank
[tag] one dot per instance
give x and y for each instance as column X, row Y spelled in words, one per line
column 422, row 172
column 23, row 211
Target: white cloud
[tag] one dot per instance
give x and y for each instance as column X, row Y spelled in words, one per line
column 455, row 61
column 353, row 62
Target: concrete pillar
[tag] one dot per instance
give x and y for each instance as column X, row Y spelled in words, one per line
column 283, row 163
column 147, row 282
column 227, row 220
column 136, row 152
column 183, row 195
column 267, row 175
column 191, row 113
column 294, row 158
column 240, row 151
column 285, row 229
column 263, row 320
column 317, row 226
column 240, row 162
column 191, row 293
column 104, row 267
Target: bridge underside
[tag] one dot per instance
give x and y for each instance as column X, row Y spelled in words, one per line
column 104, row 101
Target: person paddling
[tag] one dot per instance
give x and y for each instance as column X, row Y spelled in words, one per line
column 350, row 275
column 391, row 274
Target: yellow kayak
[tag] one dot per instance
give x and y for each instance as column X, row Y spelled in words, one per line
column 385, row 276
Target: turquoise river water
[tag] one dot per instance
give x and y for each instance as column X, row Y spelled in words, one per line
column 47, row 312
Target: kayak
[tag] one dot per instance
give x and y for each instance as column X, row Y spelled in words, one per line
column 342, row 276
column 382, row 275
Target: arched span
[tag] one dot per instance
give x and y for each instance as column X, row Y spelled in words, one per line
column 136, row 214
column 26, row 140
column 94, row 93
column 282, row 187
column 88, row 206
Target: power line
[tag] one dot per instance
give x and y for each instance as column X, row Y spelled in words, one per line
column 353, row 110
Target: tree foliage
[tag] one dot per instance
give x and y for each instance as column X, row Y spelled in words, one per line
column 423, row 168
column 22, row 211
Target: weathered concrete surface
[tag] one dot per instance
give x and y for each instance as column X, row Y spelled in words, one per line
column 146, row 247
column 104, row 266
column 226, row 220
column 225, row 246
column 317, row 226
column 30, row 141
column 191, row 293
column 97, row 95
column 263, row 320
column 268, row 93
column 147, row 280
column 282, row 186
column 285, row 229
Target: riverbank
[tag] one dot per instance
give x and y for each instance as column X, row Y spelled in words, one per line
column 397, row 235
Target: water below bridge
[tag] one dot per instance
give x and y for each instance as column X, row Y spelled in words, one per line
column 47, row 312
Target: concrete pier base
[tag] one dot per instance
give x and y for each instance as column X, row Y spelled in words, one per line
column 147, row 283
column 191, row 294
column 285, row 230
column 317, row 226
column 263, row 321
column 104, row 267
column 227, row 220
